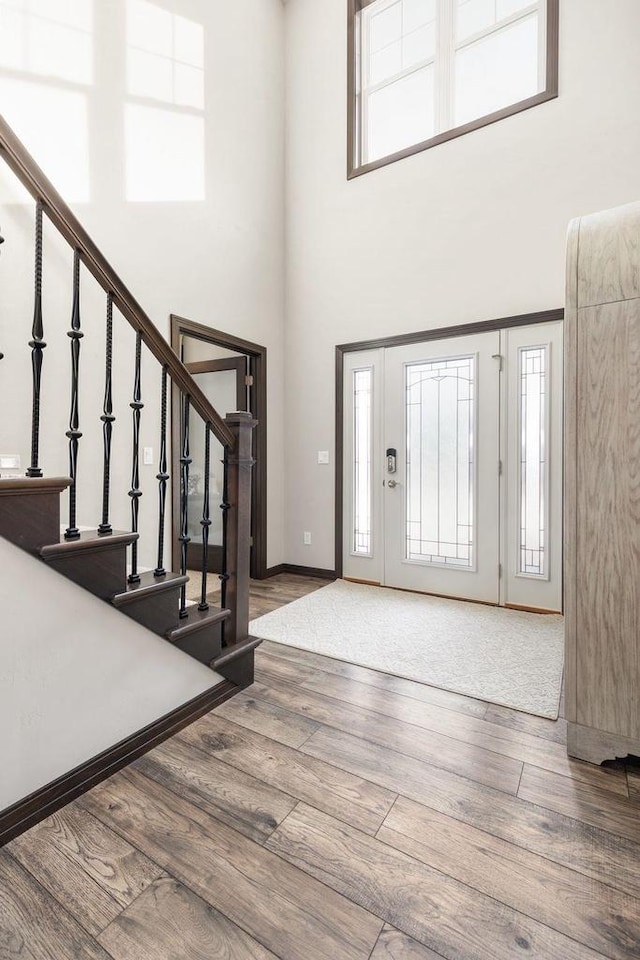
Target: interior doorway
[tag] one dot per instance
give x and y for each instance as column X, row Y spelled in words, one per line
column 452, row 464
column 232, row 374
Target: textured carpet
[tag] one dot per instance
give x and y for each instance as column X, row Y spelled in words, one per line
column 504, row 656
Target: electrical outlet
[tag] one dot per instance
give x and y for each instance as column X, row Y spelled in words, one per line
column 9, row 461
column 306, row 538
column 147, row 456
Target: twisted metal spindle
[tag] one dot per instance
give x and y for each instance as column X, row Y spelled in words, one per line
column 107, row 419
column 184, row 538
column 205, row 523
column 225, row 506
column 37, row 345
column 135, row 492
column 162, row 477
column 73, row 433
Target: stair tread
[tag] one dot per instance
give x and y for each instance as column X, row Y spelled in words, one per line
column 197, row 620
column 88, row 540
column 149, row 585
column 13, row 485
column 230, row 653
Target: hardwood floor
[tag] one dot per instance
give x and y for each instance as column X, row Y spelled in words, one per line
column 332, row 812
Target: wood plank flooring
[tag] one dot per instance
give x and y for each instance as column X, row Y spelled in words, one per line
column 330, row 812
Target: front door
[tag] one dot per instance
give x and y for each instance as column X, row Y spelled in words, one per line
column 454, row 468
column 440, row 492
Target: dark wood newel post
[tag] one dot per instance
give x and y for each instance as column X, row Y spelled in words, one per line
column 240, row 462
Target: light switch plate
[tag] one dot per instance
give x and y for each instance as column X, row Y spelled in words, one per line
column 323, row 456
column 147, row 456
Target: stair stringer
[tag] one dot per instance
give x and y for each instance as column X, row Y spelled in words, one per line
column 79, row 677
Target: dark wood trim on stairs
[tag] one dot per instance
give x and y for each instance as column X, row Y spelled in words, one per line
column 24, row 814
column 399, row 340
column 30, row 510
column 300, row 571
column 236, row 662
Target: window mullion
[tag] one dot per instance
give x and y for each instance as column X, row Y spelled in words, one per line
column 444, row 64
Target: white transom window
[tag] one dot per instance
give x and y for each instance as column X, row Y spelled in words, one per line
column 423, row 71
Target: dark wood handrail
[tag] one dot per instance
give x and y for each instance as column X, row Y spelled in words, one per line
column 18, row 158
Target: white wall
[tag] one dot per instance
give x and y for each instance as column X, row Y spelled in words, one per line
column 217, row 259
column 469, row 230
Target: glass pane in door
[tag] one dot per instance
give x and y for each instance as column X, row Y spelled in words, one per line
column 533, row 460
column 362, row 460
column 440, row 466
column 220, row 388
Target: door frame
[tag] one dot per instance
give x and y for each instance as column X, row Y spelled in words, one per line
column 257, row 355
column 240, row 365
column 422, row 336
column 225, row 363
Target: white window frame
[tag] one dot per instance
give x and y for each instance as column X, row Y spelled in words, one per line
column 447, row 47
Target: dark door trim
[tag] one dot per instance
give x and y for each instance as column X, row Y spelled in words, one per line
column 239, row 364
column 422, row 336
column 257, row 393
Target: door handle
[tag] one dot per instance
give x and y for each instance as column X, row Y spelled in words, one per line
column 392, row 483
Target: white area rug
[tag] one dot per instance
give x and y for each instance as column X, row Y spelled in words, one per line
column 504, row 656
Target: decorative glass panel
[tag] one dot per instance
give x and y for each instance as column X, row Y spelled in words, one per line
column 440, row 398
column 362, row 457
column 533, row 374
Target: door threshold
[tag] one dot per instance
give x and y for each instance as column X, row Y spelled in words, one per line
column 526, row 609
column 368, row 583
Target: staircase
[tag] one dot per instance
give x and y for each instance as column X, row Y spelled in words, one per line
column 30, row 518
column 99, row 559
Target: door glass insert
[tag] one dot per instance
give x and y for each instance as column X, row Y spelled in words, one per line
column 533, row 460
column 362, row 460
column 220, row 388
column 441, row 426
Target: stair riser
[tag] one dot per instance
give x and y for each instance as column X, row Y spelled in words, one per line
column 30, row 520
column 204, row 645
column 157, row 612
column 103, row 572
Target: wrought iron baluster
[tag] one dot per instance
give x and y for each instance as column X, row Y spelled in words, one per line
column 185, row 461
column 224, row 506
column 107, row 419
column 162, row 477
column 73, row 433
column 37, row 345
column 205, row 523
column 135, row 493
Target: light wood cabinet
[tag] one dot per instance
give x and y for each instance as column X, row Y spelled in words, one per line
column 602, row 485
